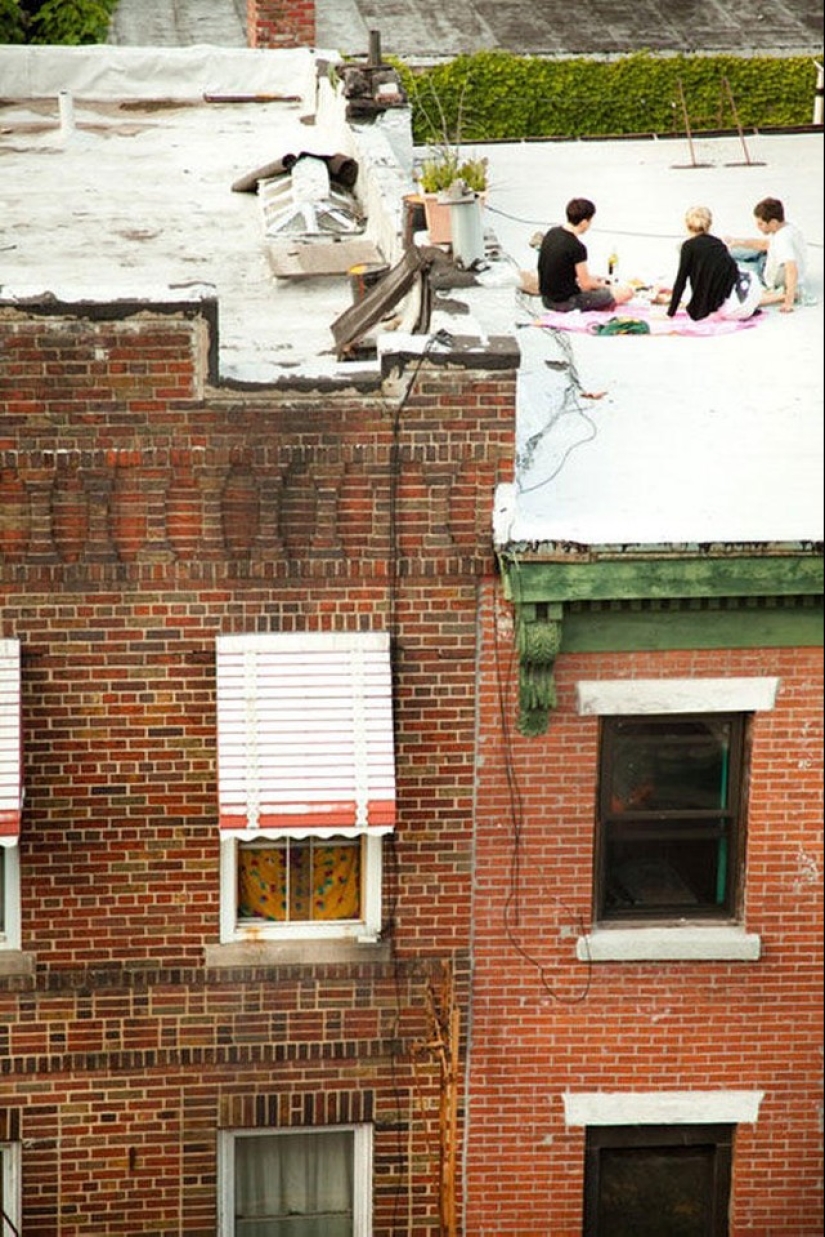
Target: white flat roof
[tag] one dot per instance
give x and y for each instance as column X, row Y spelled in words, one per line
column 136, row 201
column 691, row 440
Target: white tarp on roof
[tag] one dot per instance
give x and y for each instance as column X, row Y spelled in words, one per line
column 102, row 72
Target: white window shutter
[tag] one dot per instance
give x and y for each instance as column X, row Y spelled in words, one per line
column 11, row 785
column 305, row 733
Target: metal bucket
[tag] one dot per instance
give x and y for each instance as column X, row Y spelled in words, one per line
column 365, row 276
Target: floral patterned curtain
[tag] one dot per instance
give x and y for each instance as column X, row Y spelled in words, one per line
column 300, row 881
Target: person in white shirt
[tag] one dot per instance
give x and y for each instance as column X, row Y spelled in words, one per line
column 783, row 246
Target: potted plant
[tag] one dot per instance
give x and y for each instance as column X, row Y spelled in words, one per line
column 446, row 175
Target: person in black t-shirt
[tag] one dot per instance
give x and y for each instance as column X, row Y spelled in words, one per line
column 564, row 282
column 717, row 285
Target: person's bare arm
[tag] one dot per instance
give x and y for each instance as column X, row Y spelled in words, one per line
column 786, row 295
column 791, row 285
column 588, row 282
column 758, row 243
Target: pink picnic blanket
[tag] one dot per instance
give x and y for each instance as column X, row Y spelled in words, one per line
column 655, row 317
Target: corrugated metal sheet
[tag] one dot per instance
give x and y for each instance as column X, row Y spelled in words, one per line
column 11, row 789
column 305, row 733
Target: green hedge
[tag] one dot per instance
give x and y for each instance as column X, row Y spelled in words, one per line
column 500, row 95
column 55, row 21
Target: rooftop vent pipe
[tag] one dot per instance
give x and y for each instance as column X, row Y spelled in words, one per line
column 65, row 104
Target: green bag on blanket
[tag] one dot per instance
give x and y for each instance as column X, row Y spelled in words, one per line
column 621, row 326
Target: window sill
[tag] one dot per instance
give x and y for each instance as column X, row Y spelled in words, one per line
column 294, row 953
column 16, row 962
column 677, row 944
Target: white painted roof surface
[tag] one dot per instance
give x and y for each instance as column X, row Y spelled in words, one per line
column 136, row 199
column 694, row 440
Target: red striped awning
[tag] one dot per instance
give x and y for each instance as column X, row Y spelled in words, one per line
column 305, row 733
column 11, row 782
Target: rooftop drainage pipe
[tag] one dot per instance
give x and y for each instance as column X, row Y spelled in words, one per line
column 65, row 104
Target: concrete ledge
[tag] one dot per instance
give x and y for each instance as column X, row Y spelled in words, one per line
column 634, row 696
column 677, row 944
column 294, row 953
column 661, row 1107
column 16, row 962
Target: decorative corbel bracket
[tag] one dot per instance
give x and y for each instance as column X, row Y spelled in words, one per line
column 538, row 640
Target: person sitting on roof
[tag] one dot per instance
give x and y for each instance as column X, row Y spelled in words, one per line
column 564, row 282
column 780, row 251
column 717, row 285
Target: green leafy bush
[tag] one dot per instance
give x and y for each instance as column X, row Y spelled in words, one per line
column 12, row 22
column 498, row 95
column 55, row 21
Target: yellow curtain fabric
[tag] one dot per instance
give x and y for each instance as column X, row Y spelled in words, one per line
column 324, row 882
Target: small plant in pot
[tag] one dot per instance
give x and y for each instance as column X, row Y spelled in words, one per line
column 446, row 172
column 446, row 175
column 443, row 167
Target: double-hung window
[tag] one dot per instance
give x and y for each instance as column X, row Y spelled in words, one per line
column 306, row 781
column 670, row 826
column 10, row 1220
column 659, row 1161
column 296, row 1183
column 671, row 806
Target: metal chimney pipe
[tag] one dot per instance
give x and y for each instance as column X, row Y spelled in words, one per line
column 375, row 49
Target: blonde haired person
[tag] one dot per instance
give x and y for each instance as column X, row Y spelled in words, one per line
column 717, row 285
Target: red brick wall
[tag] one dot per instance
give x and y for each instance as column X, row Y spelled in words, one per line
column 142, row 512
column 551, row 1024
column 280, row 23
column 118, row 1089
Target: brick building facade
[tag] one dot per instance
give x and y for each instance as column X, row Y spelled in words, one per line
column 597, row 1021
column 528, row 978
column 280, row 23
column 145, row 513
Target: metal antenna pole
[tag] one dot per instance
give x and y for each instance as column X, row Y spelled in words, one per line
column 693, row 163
column 748, row 162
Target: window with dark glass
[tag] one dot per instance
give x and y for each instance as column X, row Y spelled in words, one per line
column 658, row 1181
column 670, row 831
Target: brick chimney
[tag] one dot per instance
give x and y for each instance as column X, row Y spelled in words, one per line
column 280, row 23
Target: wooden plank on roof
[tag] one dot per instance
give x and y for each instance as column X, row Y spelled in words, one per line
column 292, row 258
column 354, row 323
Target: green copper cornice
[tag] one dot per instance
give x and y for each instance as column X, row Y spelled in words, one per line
column 538, row 639
column 651, row 601
column 605, row 578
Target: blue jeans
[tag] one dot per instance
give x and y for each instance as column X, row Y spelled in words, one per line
column 750, row 259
